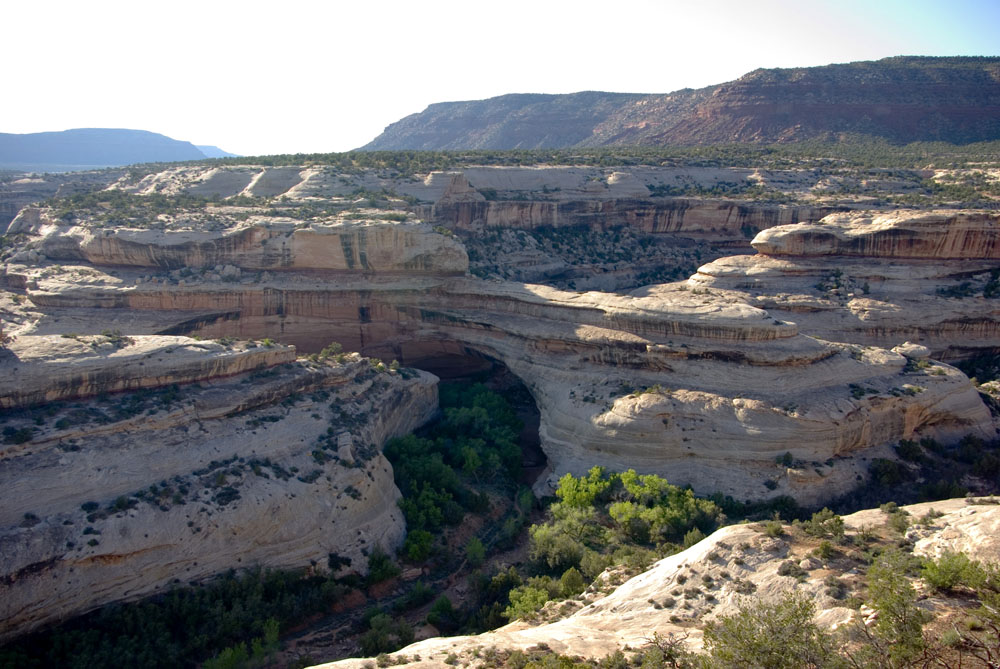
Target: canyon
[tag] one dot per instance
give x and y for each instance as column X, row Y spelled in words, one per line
column 781, row 366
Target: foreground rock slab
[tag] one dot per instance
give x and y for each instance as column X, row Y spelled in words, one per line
column 679, row 594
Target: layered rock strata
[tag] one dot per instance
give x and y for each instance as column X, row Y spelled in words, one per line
column 926, row 277
column 571, row 227
column 35, row 370
column 702, row 389
column 116, row 497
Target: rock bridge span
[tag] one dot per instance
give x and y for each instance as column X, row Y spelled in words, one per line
column 692, row 385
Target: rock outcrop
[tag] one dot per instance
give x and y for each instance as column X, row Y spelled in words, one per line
column 877, row 279
column 571, row 227
column 277, row 461
column 36, row 370
column 681, row 593
column 20, row 190
column 257, row 245
column 265, row 461
column 700, row 388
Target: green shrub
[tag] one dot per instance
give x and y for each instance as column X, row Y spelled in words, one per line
column 692, row 537
column 774, row 528
column 571, row 583
column 385, row 635
column 898, row 631
column 778, row 635
column 899, row 521
column 525, row 601
column 825, row 550
column 418, row 545
column 952, row 570
column 823, row 524
column 380, row 567
column 443, row 615
column 475, row 552
column 888, row 472
column 907, row 449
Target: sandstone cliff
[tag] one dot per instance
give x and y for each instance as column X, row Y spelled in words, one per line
column 567, row 226
column 926, row 277
column 692, row 385
column 700, row 385
column 35, row 370
column 258, row 244
column 114, row 498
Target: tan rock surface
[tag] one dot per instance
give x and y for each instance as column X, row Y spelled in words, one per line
column 701, row 386
column 257, row 244
column 730, row 387
column 944, row 235
column 276, row 468
column 876, row 280
column 679, row 594
column 52, row 368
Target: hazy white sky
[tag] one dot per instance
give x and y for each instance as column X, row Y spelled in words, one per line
column 283, row 77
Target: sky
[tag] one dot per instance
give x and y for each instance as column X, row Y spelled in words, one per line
column 300, row 77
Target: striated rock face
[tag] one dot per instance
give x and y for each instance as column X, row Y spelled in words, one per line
column 115, row 498
column 556, row 120
column 908, row 235
column 269, row 461
column 276, row 245
column 34, row 370
column 723, row 568
column 700, row 388
column 924, row 277
column 581, row 228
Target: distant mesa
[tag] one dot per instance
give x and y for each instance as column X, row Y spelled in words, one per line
column 94, row 148
column 901, row 100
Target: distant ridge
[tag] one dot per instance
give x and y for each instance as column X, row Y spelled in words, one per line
column 90, row 148
column 901, row 99
column 215, row 152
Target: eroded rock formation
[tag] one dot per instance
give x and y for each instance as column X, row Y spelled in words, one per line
column 266, row 461
column 877, row 279
column 702, row 386
column 705, row 390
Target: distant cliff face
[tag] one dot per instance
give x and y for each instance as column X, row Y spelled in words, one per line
column 509, row 122
column 903, row 99
column 876, row 279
